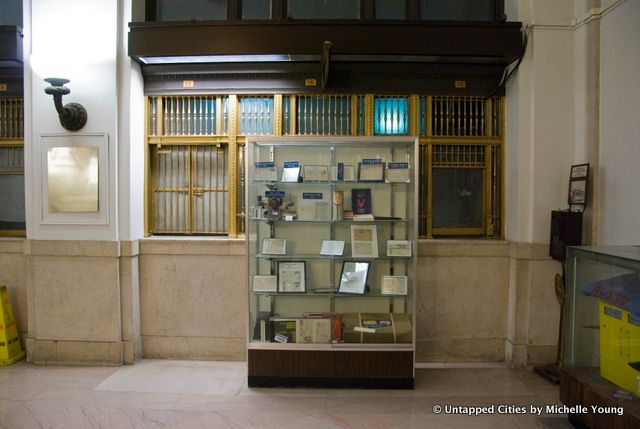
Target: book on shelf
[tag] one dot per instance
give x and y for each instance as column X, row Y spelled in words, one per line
column 361, row 202
column 262, row 329
column 283, row 330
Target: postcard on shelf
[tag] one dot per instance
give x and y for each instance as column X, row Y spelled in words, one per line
column 316, row 173
column 290, row 171
column 274, row 246
column 364, row 241
column 353, row 278
column 313, row 206
column 332, row 248
column 371, row 170
column 361, row 201
column 265, row 171
column 398, row 172
column 394, row 285
column 313, row 331
column 265, row 283
column 291, row 276
column 399, row 248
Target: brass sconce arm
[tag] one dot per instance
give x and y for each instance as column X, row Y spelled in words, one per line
column 73, row 116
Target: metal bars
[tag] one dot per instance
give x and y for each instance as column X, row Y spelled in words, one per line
column 11, row 160
column 461, row 156
column 201, row 133
column 256, row 115
column 190, row 189
column 391, row 115
column 324, row 115
column 182, row 115
column 458, row 116
column 11, row 118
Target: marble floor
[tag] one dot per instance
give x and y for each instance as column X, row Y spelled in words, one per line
column 199, row 395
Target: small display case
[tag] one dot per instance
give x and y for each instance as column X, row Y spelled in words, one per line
column 601, row 335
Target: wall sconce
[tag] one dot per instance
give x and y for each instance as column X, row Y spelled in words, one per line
column 72, row 116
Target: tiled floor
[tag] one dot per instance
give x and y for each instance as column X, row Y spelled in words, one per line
column 199, row 395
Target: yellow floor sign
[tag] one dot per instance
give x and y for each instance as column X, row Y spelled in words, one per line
column 10, row 349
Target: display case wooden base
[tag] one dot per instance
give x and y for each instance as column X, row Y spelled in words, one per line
column 585, row 387
column 331, row 368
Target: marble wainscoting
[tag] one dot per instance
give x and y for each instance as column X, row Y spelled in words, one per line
column 462, row 300
column 193, row 298
column 74, row 302
column 13, row 275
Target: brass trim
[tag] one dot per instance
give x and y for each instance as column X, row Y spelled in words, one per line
column 503, row 167
column 429, row 189
column 277, row 115
column 458, row 231
column 13, row 233
column 369, row 112
column 147, row 171
column 429, row 113
column 461, row 141
column 187, row 140
column 414, row 115
column 293, row 115
column 233, row 166
column 11, row 142
column 354, row 115
column 487, row 191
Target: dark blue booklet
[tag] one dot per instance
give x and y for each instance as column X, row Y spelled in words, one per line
column 361, row 201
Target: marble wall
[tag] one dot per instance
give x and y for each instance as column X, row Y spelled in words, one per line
column 109, row 303
column 13, row 275
column 193, row 299
column 73, row 302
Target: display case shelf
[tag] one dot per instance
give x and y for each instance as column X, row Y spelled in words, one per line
column 365, row 311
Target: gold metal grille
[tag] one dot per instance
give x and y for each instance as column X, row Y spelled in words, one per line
column 11, row 118
column 391, row 115
column 323, row 115
column 457, row 116
column 451, row 155
column 11, row 160
column 255, row 115
column 182, row 115
column 190, row 189
column 190, row 194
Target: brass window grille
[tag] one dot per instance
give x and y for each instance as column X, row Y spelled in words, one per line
column 196, row 152
column 12, row 208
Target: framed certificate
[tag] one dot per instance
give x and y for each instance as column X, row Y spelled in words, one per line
column 274, row 246
column 265, row 283
column 291, row 276
column 371, row 170
column 353, row 278
column 578, row 185
column 364, row 241
column 394, row 285
column 316, row 173
column 399, row 248
column 265, row 172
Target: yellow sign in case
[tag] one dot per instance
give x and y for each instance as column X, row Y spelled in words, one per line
column 10, row 349
column 619, row 346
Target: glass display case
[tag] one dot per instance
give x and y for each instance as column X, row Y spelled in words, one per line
column 331, row 245
column 601, row 335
